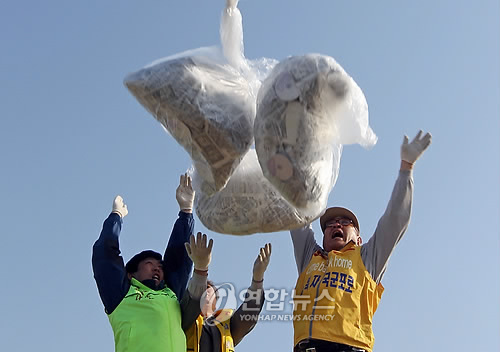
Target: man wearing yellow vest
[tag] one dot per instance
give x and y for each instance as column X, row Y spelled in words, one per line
column 222, row 330
column 141, row 298
column 339, row 288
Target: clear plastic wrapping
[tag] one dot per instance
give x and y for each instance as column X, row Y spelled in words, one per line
column 206, row 99
column 207, row 106
column 216, row 103
column 248, row 204
column 307, row 108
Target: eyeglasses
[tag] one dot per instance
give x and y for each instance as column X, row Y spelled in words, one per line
column 341, row 221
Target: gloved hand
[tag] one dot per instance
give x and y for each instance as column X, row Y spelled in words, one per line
column 119, row 207
column 261, row 263
column 199, row 252
column 410, row 152
column 185, row 194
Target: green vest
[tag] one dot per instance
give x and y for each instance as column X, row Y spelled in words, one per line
column 148, row 321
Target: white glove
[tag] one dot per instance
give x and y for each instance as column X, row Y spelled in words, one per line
column 410, row 152
column 199, row 252
column 261, row 263
column 119, row 207
column 185, row 194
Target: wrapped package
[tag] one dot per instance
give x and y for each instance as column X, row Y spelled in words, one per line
column 307, row 108
column 206, row 106
column 206, row 99
column 248, row 204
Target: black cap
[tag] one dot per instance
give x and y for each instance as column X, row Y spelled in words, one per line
column 133, row 264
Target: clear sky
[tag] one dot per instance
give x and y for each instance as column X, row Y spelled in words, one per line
column 72, row 137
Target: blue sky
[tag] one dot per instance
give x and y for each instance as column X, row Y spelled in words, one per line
column 72, row 137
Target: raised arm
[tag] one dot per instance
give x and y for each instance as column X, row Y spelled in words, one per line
column 107, row 263
column 200, row 253
column 393, row 224
column 304, row 245
column 177, row 264
column 241, row 324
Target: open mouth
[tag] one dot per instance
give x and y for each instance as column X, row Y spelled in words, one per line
column 156, row 277
column 338, row 234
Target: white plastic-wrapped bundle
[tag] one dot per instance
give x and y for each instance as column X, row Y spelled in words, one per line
column 206, row 99
column 206, row 106
column 307, row 108
column 248, row 204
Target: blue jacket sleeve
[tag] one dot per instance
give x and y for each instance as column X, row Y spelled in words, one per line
column 177, row 264
column 107, row 264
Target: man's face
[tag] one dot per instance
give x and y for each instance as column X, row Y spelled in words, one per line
column 149, row 269
column 338, row 232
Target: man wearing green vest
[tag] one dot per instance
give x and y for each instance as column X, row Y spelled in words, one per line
column 141, row 298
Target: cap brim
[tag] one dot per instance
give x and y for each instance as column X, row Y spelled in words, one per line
column 334, row 212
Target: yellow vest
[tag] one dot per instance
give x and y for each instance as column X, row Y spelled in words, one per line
column 335, row 299
column 222, row 322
